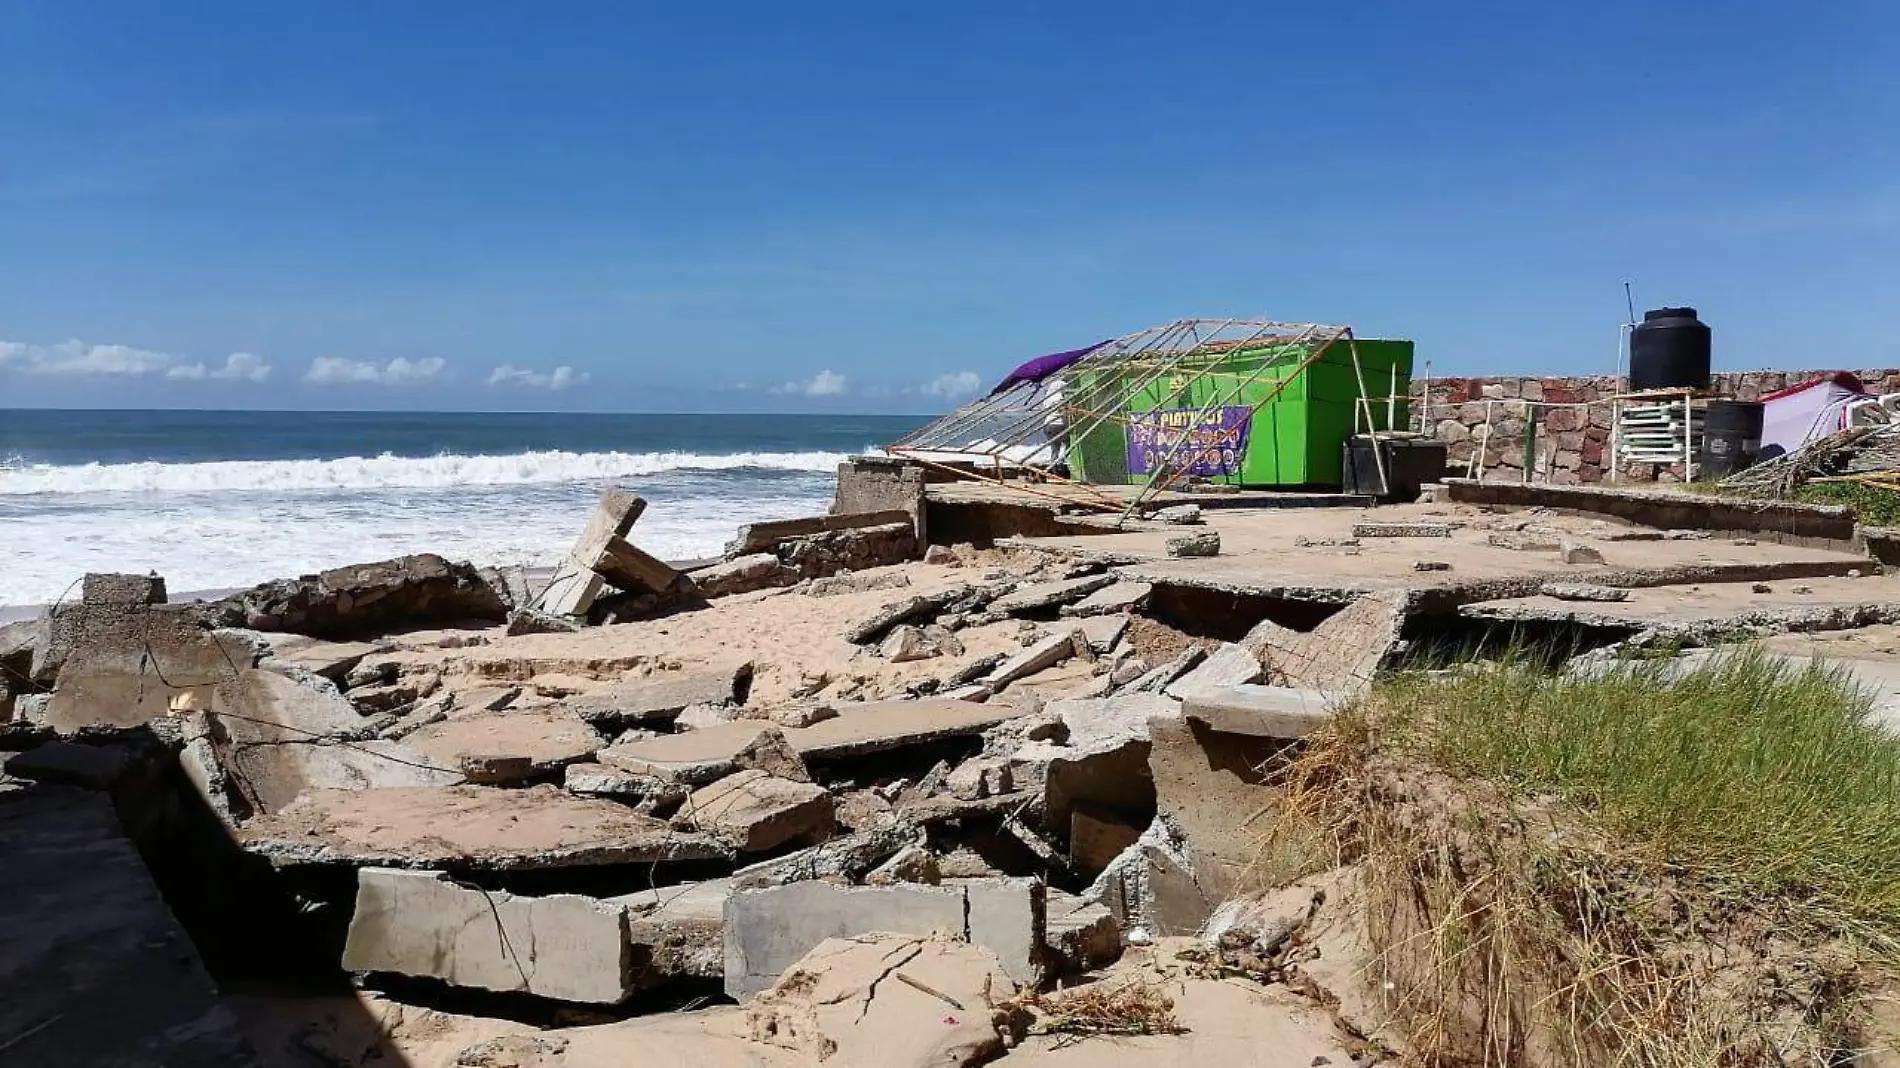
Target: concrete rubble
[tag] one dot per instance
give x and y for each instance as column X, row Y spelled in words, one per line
column 873, row 789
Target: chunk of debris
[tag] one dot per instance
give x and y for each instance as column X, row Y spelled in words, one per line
column 768, row 930
column 906, row 643
column 1401, row 530
column 1575, row 553
column 662, row 696
column 887, row 1000
column 419, row 923
column 904, row 611
column 682, row 930
column 863, row 728
column 1101, row 633
column 1430, row 565
column 1524, row 541
column 601, row 780
column 848, row 857
column 1117, row 599
column 544, row 739
column 911, row 864
column 1160, row 678
column 708, row 754
column 534, row 621
column 332, row 660
column 364, row 600
column 1261, row 711
column 757, row 811
column 798, row 714
column 856, row 582
column 1046, row 595
column 578, row 580
column 1345, row 652
column 1044, row 653
column 1686, row 535
column 1302, row 541
column 1229, row 665
column 1199, row 543
column 744, row 574
column 1583, row 591
column 1179, row 514
column 941, row 555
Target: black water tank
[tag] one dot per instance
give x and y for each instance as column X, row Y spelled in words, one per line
column 1669, row 349
column 1731, row 438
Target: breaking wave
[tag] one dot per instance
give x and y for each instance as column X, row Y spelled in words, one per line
column 388, row 472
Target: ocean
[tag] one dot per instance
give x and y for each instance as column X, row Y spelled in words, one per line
column 217, row 500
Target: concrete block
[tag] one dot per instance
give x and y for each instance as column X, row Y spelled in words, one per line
column 121, row 590
column 756, row 811
column 1281, row 712
column 417, row 923
column 576, row 582
column 768, row 931
column 661, row 696
column 1345, row 652
column 1199, row 543
column 745, row 574
column 1118, row 599
column 1046, row 595
column 678, row 931
column 1045, row 653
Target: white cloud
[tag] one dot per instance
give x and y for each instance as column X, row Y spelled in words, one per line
column 76, row 358
column 557, row 379
column 336, row 371
column 238, row 367
column 953, row 386
column 822, row 384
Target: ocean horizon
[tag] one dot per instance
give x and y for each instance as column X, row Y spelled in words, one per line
column 215, row 499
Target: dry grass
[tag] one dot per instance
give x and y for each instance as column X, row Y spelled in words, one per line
column 1633, row 870
column 1104, row 1008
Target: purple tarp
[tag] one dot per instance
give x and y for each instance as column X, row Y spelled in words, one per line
column 1196, row 441
column 1043, row 366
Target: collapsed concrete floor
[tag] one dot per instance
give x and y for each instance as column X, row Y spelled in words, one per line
column 1012, row 765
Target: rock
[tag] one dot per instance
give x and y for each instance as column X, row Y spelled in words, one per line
column 980, row 777
column 906, row 643
column 1117, row 599
column 1199, row 543
column 1261, row 711
column 912, row 864
column 1401, row 530
column 768, row 930
column 418, row 923
column 1801, row 591
column 941, row 555
column 466, row 827
column 757, row 571
column 888, row 1001
column 1044, row 653
column 533, row 621
column 366, row 599
column 1583, row 591
column 1048, row 595
column 1573, row 553
column 757, row 811
column 1179, row 514
column 662, row 696
column 1229, row 665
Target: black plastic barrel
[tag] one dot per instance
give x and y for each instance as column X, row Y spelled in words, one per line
column 1669, row 349
column 1731, row 438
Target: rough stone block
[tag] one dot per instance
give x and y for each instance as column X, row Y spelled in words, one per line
column 418, row 923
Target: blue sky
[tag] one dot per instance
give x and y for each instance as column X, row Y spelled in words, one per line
column 880, row 207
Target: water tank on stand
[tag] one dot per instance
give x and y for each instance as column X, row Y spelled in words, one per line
column 1669, row 349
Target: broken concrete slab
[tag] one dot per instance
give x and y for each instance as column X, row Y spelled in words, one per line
column 534, row 621
column 1583, row 591
column 1118, row 599
column 1198, row 544
column 863, row 728
column 1046, row 595
column 768, row 930
column 906, row 643
column 467, row 826
column 744, row 574
column 756, row 811
column 1345, row 652
column 332, row 660
column 1044, row 653
column 847, row 857
column 577, row 581
column 1105, row 760
column 1158, row 679
column 888, row 1001
column 269, row 776
column 599, row 780
column 1282, row 712
column 110, row 589
column 856, row 582
column 1097, row 835
column 1229, row 665
column 548, row 738
column 702, row 756
column 99, row 972
column 662, row 696
column 1101, row 632
column 880, row 622
column 365, row 600
column 680, row 931
column 419, row 923
column 1081, row 935
column 259, row 707
column 121, row 666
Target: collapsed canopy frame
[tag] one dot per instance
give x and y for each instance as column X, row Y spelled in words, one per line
column 1024, row 428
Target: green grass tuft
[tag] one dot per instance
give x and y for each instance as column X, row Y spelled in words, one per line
column 1743, row 770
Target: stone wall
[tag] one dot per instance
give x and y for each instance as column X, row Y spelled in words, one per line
column 1573, row 436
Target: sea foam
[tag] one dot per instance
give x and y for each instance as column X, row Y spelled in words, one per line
column 447, row 470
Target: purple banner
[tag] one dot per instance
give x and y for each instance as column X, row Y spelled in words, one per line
column 1199, row 441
